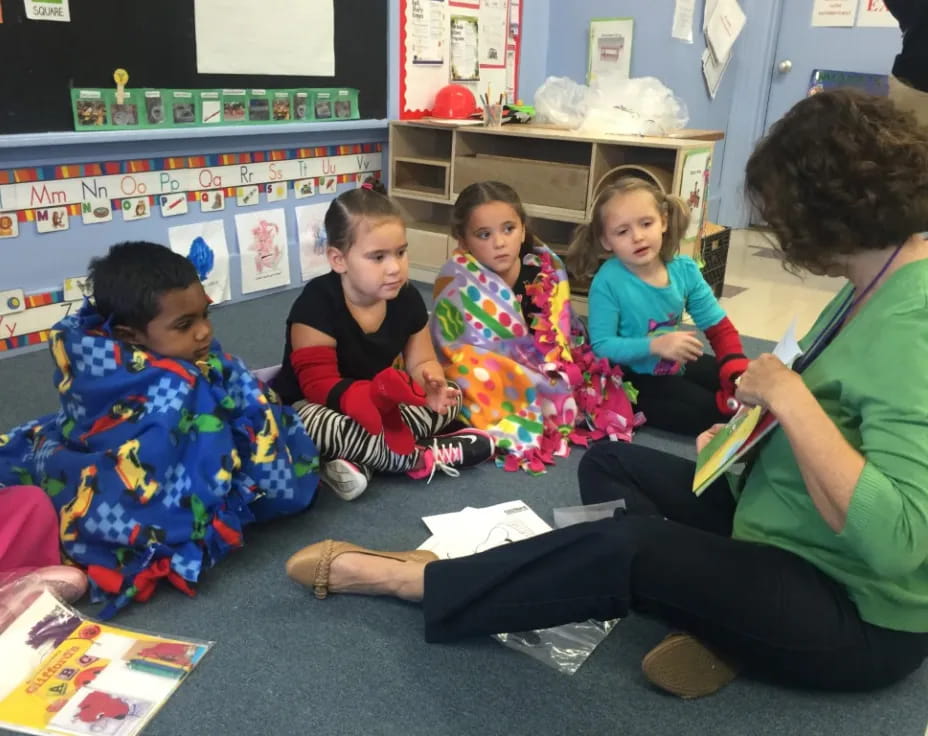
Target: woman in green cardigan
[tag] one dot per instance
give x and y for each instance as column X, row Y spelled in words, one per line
column 813, row 569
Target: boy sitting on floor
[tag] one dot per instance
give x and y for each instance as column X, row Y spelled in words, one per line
column 164, row 447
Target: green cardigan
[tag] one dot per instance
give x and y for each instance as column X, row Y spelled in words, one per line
column 872, row 381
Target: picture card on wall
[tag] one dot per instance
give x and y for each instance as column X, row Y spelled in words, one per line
column 276, row 191
column 212, row 201
column 310, row 220
column 135, row 208
column 173, row 204
column 51, row 220
column 76, row 288
column 262, row 247
column 12, row 301
column 247, row 196
column 204, row 245
column 303, row 188
column 9, row 225
column 48, row 10
column 96, row 210
column 328, row 184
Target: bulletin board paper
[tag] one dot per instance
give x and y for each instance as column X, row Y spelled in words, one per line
column 267, row 37
column 874, row 14
column 494, row 27
column 465, row 42
column 425, row 60
column 426, row 30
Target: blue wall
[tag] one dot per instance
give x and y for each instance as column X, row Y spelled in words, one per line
column 740, row 107
column 654, row 54
column 535, row 56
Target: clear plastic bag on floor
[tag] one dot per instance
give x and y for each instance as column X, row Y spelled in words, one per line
column 567, row 515
column 563, row 647
column 566, row 647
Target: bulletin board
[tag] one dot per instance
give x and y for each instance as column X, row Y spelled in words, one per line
column 156, row 43
column 430, row 58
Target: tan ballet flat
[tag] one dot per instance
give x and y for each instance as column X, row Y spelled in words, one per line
column 684, row 666
column 310, row 566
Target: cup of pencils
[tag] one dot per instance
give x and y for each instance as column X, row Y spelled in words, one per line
column 493, row 115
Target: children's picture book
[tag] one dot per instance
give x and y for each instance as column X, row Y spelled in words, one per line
column 734, row 440
column 63, row 673
column 744, row 430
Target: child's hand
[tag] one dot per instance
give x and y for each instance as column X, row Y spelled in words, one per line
column 439, row 396
column 681, row 347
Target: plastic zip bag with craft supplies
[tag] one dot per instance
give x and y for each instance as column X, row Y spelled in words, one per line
column 474, row 530
column 568, row 646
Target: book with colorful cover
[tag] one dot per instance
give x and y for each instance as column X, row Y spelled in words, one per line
column 744, row 430
column 63, row 673
column 734, row 440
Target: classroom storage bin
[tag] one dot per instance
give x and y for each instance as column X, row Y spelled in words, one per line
column 714, row 256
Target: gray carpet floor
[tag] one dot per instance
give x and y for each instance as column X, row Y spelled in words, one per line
column 285, row 663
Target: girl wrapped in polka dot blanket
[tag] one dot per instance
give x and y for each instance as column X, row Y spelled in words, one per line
column 520, row 357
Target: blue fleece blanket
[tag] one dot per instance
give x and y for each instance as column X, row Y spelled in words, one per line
column 155, row 465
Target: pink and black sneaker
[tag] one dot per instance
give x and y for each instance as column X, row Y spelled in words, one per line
column 449, row 452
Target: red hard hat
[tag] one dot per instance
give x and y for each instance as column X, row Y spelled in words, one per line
column 454, row 101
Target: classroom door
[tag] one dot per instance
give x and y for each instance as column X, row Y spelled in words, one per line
column 802, row 48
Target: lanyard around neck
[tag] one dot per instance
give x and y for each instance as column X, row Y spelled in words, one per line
column 850, row 302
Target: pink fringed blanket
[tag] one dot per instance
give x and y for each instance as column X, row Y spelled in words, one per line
column 538, row 388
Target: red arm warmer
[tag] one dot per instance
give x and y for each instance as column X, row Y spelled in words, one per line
column 726, row 344
column 317, row 373
column 372, row 404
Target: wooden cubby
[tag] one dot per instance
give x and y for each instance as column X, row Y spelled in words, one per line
column 427, row 231
column 555, row 172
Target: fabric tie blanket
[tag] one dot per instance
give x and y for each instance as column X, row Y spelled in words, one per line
column 155, row 465
column 535, row 388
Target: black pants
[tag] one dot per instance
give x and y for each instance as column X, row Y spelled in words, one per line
column 684, row 403
column 772, row 611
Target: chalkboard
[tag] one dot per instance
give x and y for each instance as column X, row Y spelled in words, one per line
column 156, row 42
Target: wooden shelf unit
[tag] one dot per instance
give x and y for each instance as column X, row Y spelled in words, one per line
column 556, row 173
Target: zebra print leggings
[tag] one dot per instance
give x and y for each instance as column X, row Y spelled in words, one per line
column 339, row 436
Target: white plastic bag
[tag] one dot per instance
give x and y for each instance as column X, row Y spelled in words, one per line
column 640, row 106
column 561, row 101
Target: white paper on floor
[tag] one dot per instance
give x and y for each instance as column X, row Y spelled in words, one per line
column 474, row 530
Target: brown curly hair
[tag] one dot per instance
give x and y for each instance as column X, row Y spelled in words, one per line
column 841, row 172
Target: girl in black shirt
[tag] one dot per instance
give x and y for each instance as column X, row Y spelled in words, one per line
column 345, row 332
